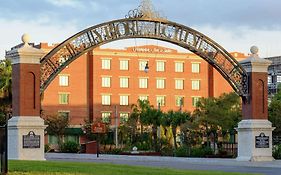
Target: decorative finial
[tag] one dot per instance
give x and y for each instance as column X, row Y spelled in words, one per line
column 254, row 49
column 25, row 38
column 145, row 10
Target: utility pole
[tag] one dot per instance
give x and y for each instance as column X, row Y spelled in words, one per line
column 158, row 128
column 116, row 128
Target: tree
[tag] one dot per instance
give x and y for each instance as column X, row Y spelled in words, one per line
column 5, row 90
column 223, row 113
column 274, row 112
column 174, row 120
column 56, row 126
column 152, row 117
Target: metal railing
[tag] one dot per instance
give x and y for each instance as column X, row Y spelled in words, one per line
column 4, row 149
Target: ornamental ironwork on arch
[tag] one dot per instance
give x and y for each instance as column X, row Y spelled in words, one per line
column 141, row 26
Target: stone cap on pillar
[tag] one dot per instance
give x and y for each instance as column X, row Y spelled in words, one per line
column 254, row 63
column 25, row 53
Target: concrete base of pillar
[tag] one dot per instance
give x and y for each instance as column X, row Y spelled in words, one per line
column 22, row 126
column 247, row 132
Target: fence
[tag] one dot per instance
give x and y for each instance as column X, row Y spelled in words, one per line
column 3, row 149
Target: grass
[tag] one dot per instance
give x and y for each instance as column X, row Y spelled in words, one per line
column 81, row 168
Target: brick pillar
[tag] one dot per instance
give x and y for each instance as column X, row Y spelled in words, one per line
column 255, row 131
column 26, row 124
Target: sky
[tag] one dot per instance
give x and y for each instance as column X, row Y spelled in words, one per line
column 234, row 24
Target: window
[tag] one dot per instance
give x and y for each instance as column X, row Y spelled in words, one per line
column 63, row 98
column 160, row 83
column 105, row 63
column 124, row 100
column 278, row 79
column 179, row 83
column 63, row 80
column 269, row 79
column 105, row 82
column 105, row 100
column 195, row 84
column 179, row 66
column 64, row 114
column 124, row 64
column 195, row 67
column 143, row 97
column 124, row 82
column 160, row 66
column 106, row 117
column 143, row 82
column 195, row 100
column 124, row 116
column 52, row 139
column 142, row 64
column 160, row 100
column 71, row 138
column 179, row 100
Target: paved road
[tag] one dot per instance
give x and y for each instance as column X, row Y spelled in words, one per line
column 227, row 165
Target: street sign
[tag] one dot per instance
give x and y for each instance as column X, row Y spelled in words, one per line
column 98, row 127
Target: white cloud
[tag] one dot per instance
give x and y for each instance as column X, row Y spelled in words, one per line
column 11, row 34
column 242, row 38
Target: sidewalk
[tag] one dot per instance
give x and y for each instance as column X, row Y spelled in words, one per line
column 198, row 161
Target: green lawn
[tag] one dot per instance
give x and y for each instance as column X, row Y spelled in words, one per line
column 78, row 168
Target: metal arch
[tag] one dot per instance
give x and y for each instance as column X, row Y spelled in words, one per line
column 159, row 29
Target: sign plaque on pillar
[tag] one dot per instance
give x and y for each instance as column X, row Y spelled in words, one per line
column 262, row 141
column 31, row 140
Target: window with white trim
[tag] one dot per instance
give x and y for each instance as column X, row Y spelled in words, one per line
column 105, row 81
column 124, row 82
column 195, row 100
column 105, row 64
column 195, row 67
column 143, row 97
column 160, row 100
column 142, row 64
column 124, row 100
column 195, row 84
column 124, row 116
column 105, row 99
column 124, row 64
column 63, row 80
column 143, row 83
column 160, row 66
column 179, row 83
column 64, row 114
column 63, row 98
column 106, row 117
column 179, row 66
column 160, row 83
column 179, row 100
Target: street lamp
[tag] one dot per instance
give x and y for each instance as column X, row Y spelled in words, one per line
column 146, row 68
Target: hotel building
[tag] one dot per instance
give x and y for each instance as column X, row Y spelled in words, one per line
column 104, row 83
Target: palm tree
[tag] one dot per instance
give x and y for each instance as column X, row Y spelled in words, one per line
column 175, row 119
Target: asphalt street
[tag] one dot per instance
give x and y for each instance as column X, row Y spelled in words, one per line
column 212, row 164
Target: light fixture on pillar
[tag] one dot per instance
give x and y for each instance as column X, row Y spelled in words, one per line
column 146, row 68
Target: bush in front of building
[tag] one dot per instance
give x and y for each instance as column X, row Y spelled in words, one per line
column 276, row 153
column 47, row 148
column 69, row 147
column 185, row 151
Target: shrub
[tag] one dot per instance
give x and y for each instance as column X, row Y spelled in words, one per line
column 70, row 147
column 47, row 148
column 181, row 151
column 201, row 152
column 276, row 153
column 167, row 151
